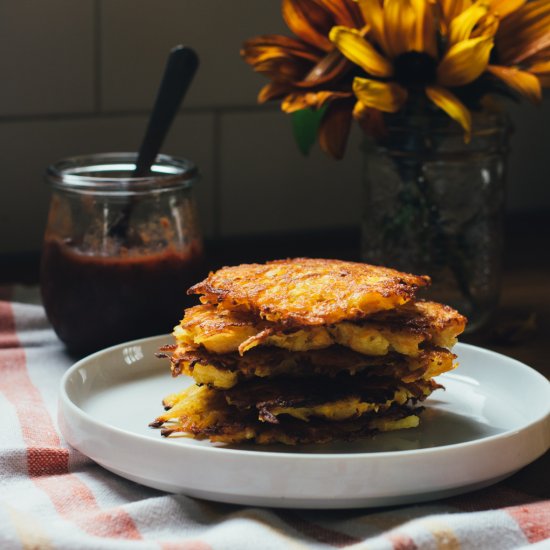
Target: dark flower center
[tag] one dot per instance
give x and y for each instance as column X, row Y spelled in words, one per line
column 415, row 69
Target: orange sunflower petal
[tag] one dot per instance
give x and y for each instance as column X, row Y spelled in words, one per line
column 276, row 44
column 334, row 129
column 449, row 9
column 331, row 67
column 464, row 62
column 461, row 26
column 528, row 44
column 273, row 90
column 260, row 51
column 503, row 8
column 310, row 100
column 527, row 16
column 425, row 36
column 344, row 13
column 294, row 102
column 540, row 57
column 374, row 17
column 523, row 82
column 309, row 21
column 359, row 51
column 400, row 21
column 534, row 47
column 487, row 26
column 541, row 69
column 281, row 69
column 384, row 96
column 279, row 57
column 525, row 33
column 449, row 103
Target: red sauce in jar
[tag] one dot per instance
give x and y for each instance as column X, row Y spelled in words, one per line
column 97, row 301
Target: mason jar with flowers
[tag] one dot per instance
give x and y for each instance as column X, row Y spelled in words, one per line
column 422, row 78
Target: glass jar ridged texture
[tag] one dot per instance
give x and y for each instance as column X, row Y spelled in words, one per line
column 434, row 204
column 119, row 252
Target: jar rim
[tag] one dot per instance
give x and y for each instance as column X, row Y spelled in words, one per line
column 97, row 173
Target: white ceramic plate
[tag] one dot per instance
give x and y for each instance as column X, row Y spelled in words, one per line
column 493, row 419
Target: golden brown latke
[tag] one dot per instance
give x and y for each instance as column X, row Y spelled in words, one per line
column 402, row 329
column 341, row 398
column 227, row 370
column 439, row 322
column 203, row 413
column 306, row 351
column 306, row 291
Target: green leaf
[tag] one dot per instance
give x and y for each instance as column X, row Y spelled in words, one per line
column 305, row 124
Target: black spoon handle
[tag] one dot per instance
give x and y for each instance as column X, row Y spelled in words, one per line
column 180, row 69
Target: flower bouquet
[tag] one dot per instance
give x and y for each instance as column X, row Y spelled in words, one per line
column 423, row 79
column 365, row 59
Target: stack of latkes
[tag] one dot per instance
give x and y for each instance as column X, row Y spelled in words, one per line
column 306, row 351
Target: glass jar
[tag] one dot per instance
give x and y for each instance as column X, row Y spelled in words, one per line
column 434, row 205
column 119, row 252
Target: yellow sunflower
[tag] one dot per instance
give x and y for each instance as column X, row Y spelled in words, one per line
column 401, row 54
column 366, row 58
column 521, row 56
column 307, row 71
column 449, row 9
column 522, row 46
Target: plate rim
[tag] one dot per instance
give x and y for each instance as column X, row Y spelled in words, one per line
column 64, row 399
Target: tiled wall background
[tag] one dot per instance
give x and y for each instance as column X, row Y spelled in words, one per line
column 80, row 77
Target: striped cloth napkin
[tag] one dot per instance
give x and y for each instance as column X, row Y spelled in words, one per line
column 51, row 496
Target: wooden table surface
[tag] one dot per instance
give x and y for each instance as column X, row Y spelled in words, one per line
column 522, row 324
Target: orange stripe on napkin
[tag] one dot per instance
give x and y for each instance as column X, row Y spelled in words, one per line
column 533, row 519
column 47, row 460
column 73, row 500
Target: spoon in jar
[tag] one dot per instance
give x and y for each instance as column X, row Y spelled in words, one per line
column 180, row 69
